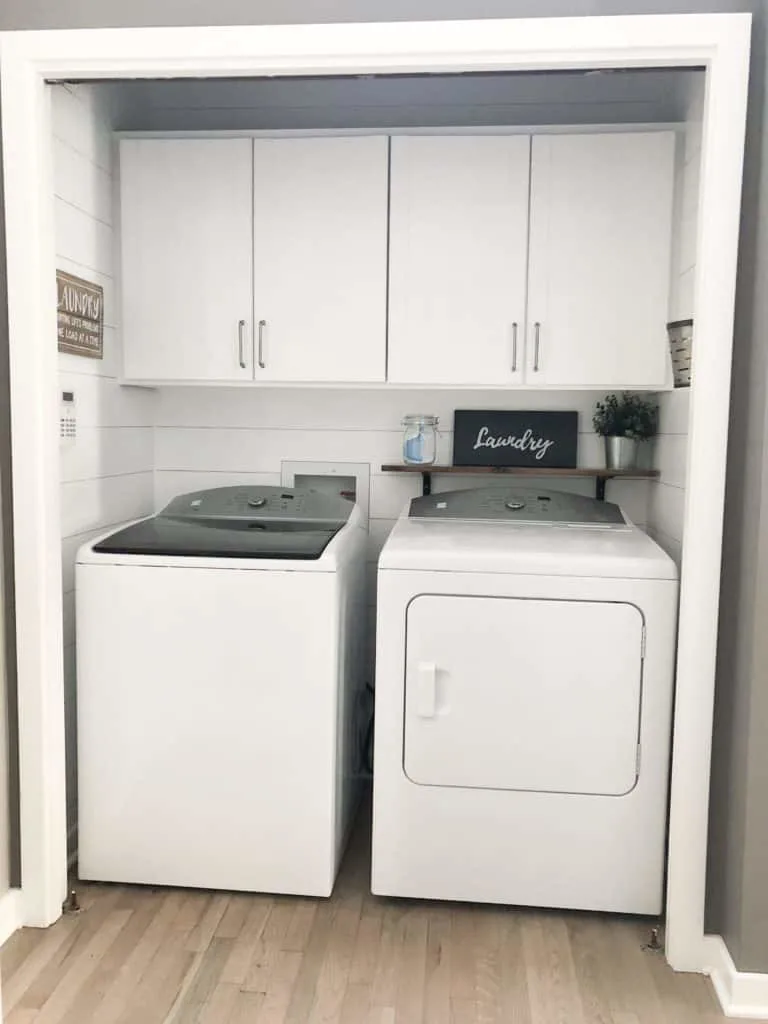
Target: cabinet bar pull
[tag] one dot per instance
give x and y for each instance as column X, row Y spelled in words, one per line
column 514, row 347
column 262, row 325
column 536, row 345
column 240, row 348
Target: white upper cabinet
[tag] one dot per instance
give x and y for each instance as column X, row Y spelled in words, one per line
column 186, row 259
column 600, row 244
column 458, row 252
column 320, row 258
column 474, row 261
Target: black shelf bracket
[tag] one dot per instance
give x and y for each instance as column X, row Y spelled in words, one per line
column 600, row 482
column 426, row 482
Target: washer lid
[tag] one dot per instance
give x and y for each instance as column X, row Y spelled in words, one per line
column 236, row 522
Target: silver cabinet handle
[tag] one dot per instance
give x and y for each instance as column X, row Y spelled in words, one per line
column 240, row 343
column 262, row 325
column 514, row 347
column 536, row 345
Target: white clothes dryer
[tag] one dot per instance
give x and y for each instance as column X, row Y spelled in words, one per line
column 219, row 659
column 524, row 679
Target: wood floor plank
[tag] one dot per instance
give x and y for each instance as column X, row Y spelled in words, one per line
column 279, row 989
column 268, row 948
column 16, row 950
column 384, row 989
column 303, row 994
column 220, row 1005
column 300, row 927
column 234, row 918
column 236, row 969
column 21, row 1015
column 246, row 1009
column 552, row 987
column 65, row 993
column 143, row 910
column 514, row 1001
column 411, row 968
column 488, row 933
column 132, row 970
column 200, row 982
column 334, row 972
column 52, row 940
column 368, row 943
column 138, row 955
column 463, row 1011
column 202, row 934
column 357, row 1003
column 462, row 955
column 437, row 968
column 592, row 968
column 78, row 931
column 169, row 968
column 627, row 979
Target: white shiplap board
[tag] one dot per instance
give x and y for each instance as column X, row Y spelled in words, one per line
column 107, row 472
column 666, row 506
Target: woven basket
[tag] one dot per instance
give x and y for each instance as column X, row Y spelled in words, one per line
column 681, row 350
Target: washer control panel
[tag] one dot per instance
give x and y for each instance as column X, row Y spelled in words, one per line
column 273, row 503
column 518, row 505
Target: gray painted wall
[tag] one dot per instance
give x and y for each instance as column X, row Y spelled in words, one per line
column 738, row 865
column 738, row 881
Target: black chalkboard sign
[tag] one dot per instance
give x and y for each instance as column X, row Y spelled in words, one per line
column 496, row 437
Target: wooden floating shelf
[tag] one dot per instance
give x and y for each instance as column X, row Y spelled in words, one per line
column 599, row 475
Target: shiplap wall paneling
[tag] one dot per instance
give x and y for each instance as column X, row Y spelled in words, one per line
column 667, row 494
column 107, row 471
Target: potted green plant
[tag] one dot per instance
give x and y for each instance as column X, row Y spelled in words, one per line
column 624, row 420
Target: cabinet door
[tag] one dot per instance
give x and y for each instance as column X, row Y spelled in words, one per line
column 320, row 258
column 458, row 248
column 186, row 220
column 601, row 219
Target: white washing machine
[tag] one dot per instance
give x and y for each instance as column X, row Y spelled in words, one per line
column 524, row 678
column 219, row 658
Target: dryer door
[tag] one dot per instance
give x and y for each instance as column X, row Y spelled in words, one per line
column 524, row 694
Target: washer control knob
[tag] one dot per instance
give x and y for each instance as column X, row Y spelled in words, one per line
column 514, row 506
column 257, row 502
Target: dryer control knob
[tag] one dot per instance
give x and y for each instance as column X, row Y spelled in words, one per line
column 257, row 502
column 514, row 506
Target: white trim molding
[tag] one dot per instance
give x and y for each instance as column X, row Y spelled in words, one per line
column 11, row 914
column 741, row 993
column 717, row 42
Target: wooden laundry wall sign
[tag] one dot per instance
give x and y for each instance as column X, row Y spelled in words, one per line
column 498, row 437
column 80, row 316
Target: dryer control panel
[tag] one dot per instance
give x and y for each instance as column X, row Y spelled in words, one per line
column 518, row 505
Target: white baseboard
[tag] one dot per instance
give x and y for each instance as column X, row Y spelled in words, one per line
column 10, row 914
column 741, row 993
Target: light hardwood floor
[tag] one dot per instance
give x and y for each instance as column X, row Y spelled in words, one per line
column 137, row 955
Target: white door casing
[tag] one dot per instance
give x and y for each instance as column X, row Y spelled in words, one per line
column 718, row 42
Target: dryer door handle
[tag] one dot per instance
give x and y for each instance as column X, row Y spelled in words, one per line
column 426, row 689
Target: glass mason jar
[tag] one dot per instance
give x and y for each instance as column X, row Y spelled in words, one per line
column 420, row 439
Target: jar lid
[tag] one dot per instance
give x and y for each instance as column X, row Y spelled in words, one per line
column 416, row 417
